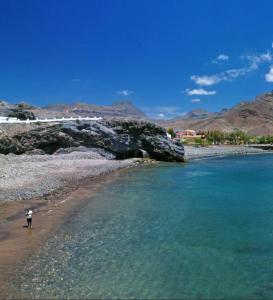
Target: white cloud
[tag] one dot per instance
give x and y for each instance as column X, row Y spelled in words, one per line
column 223, row 57
column 200, row 92
column 269, row 75
column 266, row 56
column 234, row 73
column 161, row 115
column 125, row 92
column 195, row 100
column 254, row 62
column 220, row 59
column 205, row 80
column 257, row 60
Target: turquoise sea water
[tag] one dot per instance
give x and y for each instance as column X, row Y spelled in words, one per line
column 198, row 230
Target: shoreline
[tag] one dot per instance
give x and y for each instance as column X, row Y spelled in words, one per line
column 50, row 211
column 192, row 152
column 53, row 206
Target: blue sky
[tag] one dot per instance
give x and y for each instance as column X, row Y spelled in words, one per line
column 168, row 57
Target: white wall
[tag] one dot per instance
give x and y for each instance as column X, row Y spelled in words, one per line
column 5, row 120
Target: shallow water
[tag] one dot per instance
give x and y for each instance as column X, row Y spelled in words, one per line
column 197, row 230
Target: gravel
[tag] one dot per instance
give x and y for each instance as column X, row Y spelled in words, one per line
column 24, row 177
column 202, row 152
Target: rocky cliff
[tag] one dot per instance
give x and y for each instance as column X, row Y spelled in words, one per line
column 119, row 137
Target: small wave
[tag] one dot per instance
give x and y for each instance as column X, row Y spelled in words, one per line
column 197, row 173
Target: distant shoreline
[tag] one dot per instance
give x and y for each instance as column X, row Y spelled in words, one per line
column 192, row 152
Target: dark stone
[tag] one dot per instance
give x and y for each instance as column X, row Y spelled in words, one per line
column 49, row 139
column 21, row 114
column 10, row 145
column 24, row 106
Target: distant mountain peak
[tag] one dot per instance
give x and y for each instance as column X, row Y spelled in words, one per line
column 197, row 114
column 123, row 103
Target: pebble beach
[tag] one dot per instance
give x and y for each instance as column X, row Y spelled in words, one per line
column 192, row 152
column 24, row 177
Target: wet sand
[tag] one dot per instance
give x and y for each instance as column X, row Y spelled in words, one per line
column 17, row 241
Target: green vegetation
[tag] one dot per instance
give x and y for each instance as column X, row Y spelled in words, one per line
column 199, row 141
column 216, row 137
column 237, row 137
column 264, row 139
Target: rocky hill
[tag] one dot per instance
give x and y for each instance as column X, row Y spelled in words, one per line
column 198, row 114
column 254, row 117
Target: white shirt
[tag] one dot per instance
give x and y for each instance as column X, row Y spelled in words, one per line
column 29, row 214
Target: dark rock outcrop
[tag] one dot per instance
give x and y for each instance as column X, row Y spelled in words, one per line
column 21, row 114
column 10, row 145
column 24, row 106
column 123, row 138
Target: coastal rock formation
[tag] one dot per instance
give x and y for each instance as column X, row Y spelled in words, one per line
column 122, row 138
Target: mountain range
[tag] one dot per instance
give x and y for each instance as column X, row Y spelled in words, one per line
column 254, row 117
column 123, row 109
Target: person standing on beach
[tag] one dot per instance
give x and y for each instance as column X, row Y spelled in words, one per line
column 29, row 217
